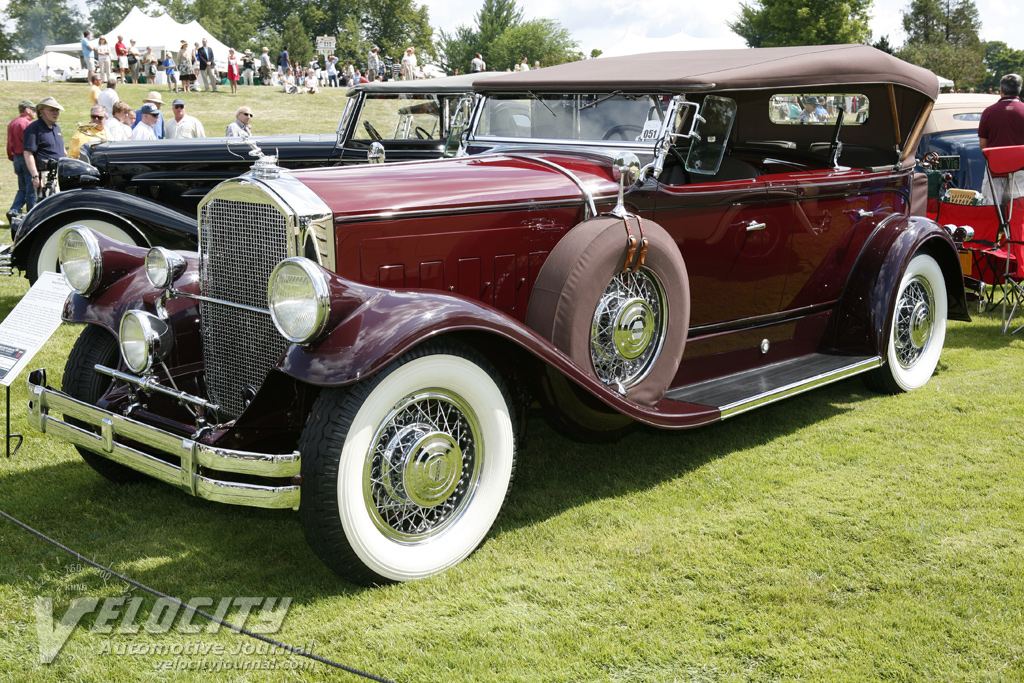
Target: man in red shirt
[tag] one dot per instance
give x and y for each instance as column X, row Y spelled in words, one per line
column 1002, row 125
column 122, row 57
column 26, row 195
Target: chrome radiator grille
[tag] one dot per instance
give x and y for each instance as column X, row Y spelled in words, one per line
column 240, row 243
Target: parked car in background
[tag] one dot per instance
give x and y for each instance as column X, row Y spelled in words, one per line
column 628, row 240
column 165, row 180
column 950, row 135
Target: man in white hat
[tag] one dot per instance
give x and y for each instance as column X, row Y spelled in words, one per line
column 157, row 101
column 43, row 139
column 248, row 67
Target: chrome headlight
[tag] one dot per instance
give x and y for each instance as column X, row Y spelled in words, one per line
column 163, row 267
column 81, row 259
column 300, row 299
column 145, row 340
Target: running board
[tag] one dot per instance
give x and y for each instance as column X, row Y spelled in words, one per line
column 743, row 391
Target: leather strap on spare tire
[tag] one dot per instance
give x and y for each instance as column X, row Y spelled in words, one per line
column 594, row 281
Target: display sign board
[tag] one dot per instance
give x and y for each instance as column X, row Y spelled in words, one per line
column 30, row 324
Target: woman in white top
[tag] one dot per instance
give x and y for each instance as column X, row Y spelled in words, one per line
column 103, row 55
column 409, row 64
column 118, row 126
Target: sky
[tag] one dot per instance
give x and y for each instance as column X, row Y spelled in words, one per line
column 630, row 26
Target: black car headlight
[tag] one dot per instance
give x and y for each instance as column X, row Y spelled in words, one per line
column 145, row 340
column 81, row 259
column 74, row 173
column 299, row 298
column 163, row 267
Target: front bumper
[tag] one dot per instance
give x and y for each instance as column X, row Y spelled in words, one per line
column 6, row 260
column 191, row 454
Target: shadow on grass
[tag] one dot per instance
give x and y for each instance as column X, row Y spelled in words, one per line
column 983, row 333
column 167, row 539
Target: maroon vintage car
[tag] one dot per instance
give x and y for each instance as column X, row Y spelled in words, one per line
column 659, row 239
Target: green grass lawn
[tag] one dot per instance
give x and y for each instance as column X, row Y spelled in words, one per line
column 838, row 535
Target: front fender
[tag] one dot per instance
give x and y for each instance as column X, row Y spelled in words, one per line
column 150, row 222
column 865, row 313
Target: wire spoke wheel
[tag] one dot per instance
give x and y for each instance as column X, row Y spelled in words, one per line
column 628, row 328
column 915, row 320
column 423, row 467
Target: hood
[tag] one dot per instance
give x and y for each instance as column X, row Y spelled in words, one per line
column 474, row 183
column 195, row 149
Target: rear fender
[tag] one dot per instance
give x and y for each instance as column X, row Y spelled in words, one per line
column 865, row 312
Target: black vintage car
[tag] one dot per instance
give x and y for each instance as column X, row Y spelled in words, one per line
column 146, row 193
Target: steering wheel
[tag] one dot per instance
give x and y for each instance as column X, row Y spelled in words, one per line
column 374, row 135
column 422, row 133
column 622, row 132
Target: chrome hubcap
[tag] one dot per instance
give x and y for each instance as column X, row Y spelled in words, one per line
column 628, row 328
column 422, row 467
column 915, row 321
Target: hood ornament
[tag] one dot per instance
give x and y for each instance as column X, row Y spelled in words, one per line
column 266, row 167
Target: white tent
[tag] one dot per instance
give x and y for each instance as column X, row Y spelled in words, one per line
column 57, row 66
column 159, row 32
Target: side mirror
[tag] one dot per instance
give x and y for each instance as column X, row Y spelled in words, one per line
column 376, row 153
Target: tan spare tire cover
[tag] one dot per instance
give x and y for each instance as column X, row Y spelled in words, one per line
column 572, row 281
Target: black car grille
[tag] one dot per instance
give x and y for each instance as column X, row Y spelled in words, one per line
column 240, row 243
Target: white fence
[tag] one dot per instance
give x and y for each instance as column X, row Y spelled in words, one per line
column 21, row 71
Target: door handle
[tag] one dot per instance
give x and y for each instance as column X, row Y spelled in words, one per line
column 754, row 226
column 865, row 214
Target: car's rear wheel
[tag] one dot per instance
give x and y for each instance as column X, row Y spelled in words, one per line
column 918, row 329
column 405, row 473
column 45, row 252
column 95, row 346
column 627, row 329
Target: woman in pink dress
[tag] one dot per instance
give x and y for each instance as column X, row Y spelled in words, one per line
column 234, row 70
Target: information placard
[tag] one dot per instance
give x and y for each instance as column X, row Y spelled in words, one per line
column 30, row 324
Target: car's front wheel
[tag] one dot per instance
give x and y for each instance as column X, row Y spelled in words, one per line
column 918, row 329
column 405, row 473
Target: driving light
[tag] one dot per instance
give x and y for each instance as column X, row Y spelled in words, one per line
column 145, row 340
column 81, row 259
column 299, row 299
column 163, row 267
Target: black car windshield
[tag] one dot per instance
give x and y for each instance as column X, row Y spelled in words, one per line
column 402, row 117
column 614, row 117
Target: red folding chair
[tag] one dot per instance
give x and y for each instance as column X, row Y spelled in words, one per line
column 1005, row 162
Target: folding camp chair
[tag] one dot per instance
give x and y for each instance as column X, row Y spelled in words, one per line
column 984, row 262
column 1006, row 162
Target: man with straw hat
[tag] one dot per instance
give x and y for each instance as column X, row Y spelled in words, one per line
column 43, row 139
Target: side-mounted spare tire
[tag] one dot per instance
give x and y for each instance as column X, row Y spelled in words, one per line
column 626, row 328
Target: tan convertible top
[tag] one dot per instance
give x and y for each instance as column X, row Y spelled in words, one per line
column 709, row 70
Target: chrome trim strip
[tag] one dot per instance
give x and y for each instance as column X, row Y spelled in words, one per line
column 150, row 384
column 192, row 454
column 212, row 300
column 564, row 171
column 767, row 397
column 462, row 211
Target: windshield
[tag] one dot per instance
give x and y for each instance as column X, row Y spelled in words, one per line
column 612, row 117
column 403, row 117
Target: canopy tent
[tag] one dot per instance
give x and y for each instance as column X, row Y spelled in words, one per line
column 160, row 33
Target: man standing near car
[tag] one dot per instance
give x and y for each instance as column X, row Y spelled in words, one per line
column 373, row 66
column 207, row 67
column 25, row 196
column 143, row 130
column 43, row 139
column 109, row 97
column 1002, row 125
column 183, row 125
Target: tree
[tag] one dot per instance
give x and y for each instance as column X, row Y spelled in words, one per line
column 456, row 51
column 774, row 23
column 1001, row 59
column 493, row 19
column 106, row 14
column 883, row 45
column 298, row 40
column 542, row 40
column 942, row 35
column 38, row 23
column 394, row 25
column 352, row 44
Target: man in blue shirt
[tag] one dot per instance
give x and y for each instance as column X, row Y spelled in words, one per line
column 43, row 139
column 87, row 54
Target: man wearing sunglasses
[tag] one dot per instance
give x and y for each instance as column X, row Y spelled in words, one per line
column 183, row 125
column 241, row 127
column 148, row 117
column 94, row 131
